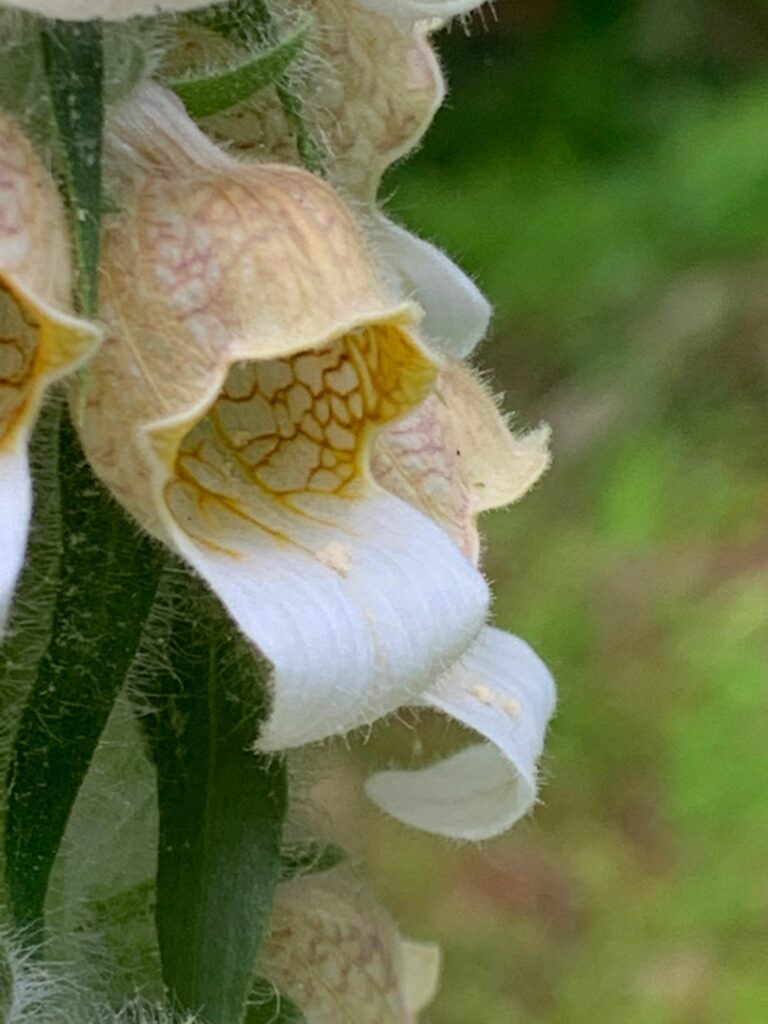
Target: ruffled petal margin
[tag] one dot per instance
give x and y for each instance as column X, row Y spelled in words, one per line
column 456, row 313
column 504, row 692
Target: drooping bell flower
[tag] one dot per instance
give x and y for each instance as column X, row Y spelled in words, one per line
column 254, row 354
column 251, row 355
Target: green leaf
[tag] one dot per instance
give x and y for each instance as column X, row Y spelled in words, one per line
column 74, row 68
column 107, row 576
column 247, row 24
column 269, row 1006
column 221, row 805
column 219, row 91
column 309, row 858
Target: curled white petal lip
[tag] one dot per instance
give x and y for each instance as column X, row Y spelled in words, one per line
column 503, row 691
column 108, row 10
column 456, row 313
column 416, row 10
column 15, row 511
column 357, row 617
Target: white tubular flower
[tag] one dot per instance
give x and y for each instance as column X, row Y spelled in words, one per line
column 40, row 340
column 252, row 354
column 454, row 458
column 109, row 10
column 339, row 957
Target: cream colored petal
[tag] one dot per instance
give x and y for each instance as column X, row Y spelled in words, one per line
column 252, row 355
column 340, row 959
column 39, row 339
column 455, row 457
column 376, row 85
column 381, row 89
column 498, row 465
column 456, row 313
column 420, row 974
column 110, row 10
column 503, row 691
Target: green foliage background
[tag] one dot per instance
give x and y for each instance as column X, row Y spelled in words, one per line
column 603, row 170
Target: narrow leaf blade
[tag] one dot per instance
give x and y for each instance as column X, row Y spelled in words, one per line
column 221, row 805
column 108, row 574
column 214, row 93
column 74, row 68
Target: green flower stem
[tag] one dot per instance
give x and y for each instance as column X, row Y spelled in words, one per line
column 221, row 805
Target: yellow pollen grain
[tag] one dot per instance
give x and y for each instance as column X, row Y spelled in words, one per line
column 336, row 556
column 513, row 707
column 483, row 693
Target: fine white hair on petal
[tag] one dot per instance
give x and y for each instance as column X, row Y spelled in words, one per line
column 456, row 313
column 108, row 10
column 503, row 691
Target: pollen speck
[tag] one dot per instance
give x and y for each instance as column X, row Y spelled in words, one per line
column 336, row 556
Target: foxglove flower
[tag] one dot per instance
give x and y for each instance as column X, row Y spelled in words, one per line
column 339, row 957
column 251, row 354
column 40, row 339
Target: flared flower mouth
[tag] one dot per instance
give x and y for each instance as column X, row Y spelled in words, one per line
column 285, row 434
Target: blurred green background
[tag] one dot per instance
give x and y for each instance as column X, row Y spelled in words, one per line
column 602, row 169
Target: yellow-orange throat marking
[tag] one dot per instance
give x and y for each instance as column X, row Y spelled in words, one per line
column 19, row 343
column 300, row 425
